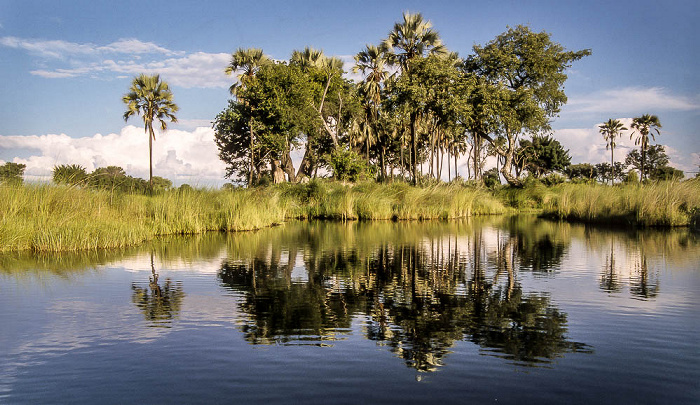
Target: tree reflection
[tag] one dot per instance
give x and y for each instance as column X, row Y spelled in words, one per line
column 418, row 297
column 159, row 304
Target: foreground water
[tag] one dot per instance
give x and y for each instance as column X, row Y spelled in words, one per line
column 494, row 309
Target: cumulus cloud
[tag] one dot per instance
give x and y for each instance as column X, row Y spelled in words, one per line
column 181, row 156
column 631, row 100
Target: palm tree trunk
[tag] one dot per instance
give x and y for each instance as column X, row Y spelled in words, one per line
column 612, row 165
column 414, row 147
column 250, row 173
column 150, row 158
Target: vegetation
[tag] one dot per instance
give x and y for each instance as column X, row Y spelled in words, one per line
column 12, row 173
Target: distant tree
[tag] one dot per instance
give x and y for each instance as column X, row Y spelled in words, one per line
column 654, row 159
column 610, row 130
column 644, row 126
column 12, row 173
column 69, row 174
column 585, row 171
column 151, row 98
column 666, row 173
column 543, row 155
column 605, row 171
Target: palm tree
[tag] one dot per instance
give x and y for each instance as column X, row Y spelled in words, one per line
column 647, row 124
column 371, row 61
column 413, row 38
column 248, row 61
column 610, row 130
column 151, row 98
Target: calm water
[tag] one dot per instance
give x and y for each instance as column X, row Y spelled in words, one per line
column 495, row 309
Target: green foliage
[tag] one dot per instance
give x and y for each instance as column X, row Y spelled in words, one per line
column 542, row 155
column 585, row 171
column 347, row 165
column 492, row 178
column 654, row 164
column 73, row 175
column 12, row 173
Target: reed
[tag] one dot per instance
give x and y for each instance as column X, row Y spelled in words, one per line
column 655, row 204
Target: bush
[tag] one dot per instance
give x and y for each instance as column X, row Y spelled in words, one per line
column 347, row 165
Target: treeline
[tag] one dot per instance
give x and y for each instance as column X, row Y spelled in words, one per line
column 417, row 110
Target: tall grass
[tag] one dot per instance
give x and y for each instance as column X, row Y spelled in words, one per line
column 655, row 204
column 373, row 201
column 57, row 218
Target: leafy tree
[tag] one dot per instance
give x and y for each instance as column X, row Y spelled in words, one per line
column 644, row 126
column 606, row 171
column 585, row 171
column 69, row 174
column 666, row 173
column 610, row 130
column 348, row 166
column 151, row 98
column 248, row 61
column 543, row 155
column 492, row 178
column 279, row 103
column 525, row 71
column 654, row 159
column 12, row 173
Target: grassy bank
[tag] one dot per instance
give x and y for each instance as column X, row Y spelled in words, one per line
column 43, row 218
column 55, row 218
column 657, row 204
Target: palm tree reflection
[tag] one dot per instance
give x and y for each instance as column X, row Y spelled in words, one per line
column 159, row 304
column 418, row 298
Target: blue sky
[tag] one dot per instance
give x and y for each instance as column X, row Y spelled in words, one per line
column 65, row 66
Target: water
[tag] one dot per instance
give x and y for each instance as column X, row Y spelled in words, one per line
column 488, row 310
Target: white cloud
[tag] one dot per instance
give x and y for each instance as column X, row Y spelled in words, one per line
column 634, row 100
column 125, row 57
column 63, row 49
column 182, row 156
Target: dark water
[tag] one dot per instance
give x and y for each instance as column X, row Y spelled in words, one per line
column 507, row 310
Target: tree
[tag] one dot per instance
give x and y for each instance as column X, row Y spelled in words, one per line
column 12, row 173
column 582, row 171
column 543, row 155
column 525, row 72
column 605, row 171
column 248, row 61
column 644, row 126
column 151, row 98
column 69, row 174
column 413, row 38
column 372, row 63
column 653, row 163
column 610, row 130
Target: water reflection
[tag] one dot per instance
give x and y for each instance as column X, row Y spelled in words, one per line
column 159, row 304
column 417, row 291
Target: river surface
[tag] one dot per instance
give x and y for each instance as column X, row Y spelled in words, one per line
column 498, row 309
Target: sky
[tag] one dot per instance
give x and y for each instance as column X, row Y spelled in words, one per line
column 66, row 65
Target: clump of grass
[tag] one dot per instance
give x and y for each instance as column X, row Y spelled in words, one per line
column 655, row 204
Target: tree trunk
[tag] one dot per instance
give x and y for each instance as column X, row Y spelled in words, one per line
column 288, row 166
column 306, row 166
column 252, row 159
column 277, row 172
column 414, row 148
column 151, row 136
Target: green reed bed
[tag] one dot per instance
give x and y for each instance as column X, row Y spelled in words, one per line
column 373, row 201
column 56, row 218
column 654, row 204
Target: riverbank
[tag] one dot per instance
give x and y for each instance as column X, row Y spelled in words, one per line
column 43, row 218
